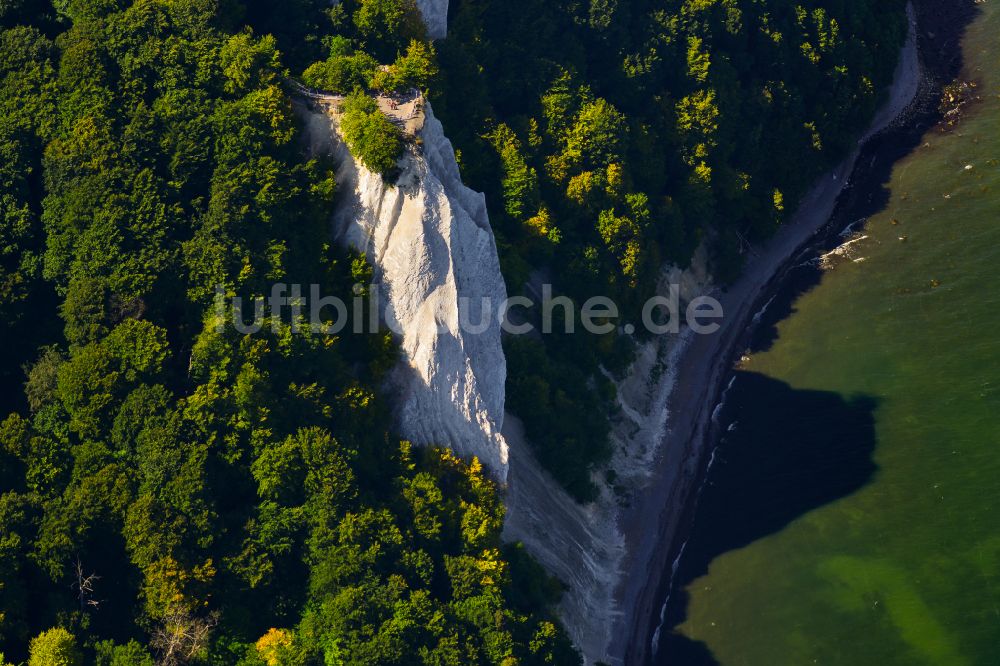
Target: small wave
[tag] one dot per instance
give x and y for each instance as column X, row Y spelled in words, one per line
column 711, row 464
column 655, row 644
column 715, row 414
column 722, row 403
column 849, row 229
column 760, row 313
column 675, row 567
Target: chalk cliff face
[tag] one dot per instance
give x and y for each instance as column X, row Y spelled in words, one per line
column 435, row 13
column 429, row 240
column 438, row 281
column 585, row 546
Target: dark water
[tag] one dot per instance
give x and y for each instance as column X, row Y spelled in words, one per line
column 853, row 513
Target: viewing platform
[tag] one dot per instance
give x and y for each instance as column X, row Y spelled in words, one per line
column 405, row 110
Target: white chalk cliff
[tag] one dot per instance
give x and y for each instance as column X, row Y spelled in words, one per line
column 435, row 13
column 429, row 240
column 438, row 282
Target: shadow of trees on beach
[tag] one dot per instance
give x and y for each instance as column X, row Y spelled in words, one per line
column 791, row 452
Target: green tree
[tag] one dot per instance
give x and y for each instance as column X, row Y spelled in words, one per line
column 386, row 26
column 595, row 140
column 624, row 236
column 416, row 68
column 107, row 653
column 245, row 59
column 342, row 72
column 520, row 181
column 371, row 136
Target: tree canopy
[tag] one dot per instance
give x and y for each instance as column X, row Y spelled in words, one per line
column 371, row 137
column 172, row 490
column 610, row 137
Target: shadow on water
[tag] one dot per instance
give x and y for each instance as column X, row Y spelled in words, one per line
column 791, row 452
column 801, row 279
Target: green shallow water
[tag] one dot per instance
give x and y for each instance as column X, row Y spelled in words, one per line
column 892, row 365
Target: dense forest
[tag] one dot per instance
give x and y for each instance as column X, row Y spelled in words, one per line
column 611, row 136
column 173, row 491
column 170, row 489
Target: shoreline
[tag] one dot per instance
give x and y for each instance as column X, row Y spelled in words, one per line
column 927, row 63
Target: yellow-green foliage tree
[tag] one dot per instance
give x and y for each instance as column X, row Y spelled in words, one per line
column 55, row 647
